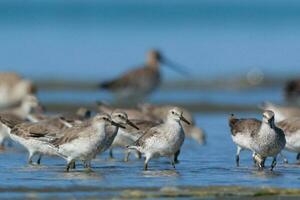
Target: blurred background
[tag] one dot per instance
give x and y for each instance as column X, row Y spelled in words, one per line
column 92, row 40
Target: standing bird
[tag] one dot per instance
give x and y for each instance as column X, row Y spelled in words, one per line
column 162, row 140
column 242, row 131
column 269, row 141
column 82, row 142
column 136, row 84
column 160, row 112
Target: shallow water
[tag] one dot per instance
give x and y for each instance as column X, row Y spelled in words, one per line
column 209, row 165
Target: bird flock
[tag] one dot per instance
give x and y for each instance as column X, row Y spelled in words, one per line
column 147, row 130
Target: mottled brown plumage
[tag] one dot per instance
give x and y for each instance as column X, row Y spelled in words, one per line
column 35, row 130
column 242, row 126
column 10, row 120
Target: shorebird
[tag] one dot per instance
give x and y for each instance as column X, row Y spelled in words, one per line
column 13, row 89
column 292, row 89
column 291, row 129
column 129, row 135
column 138, row 83
column 160, row 112
column 18, row 114
column 162, row 140
column 82, row 142
column 268, row 141
column 35, row 136
column 242, row 131
column 112, row 131
column 282, row 112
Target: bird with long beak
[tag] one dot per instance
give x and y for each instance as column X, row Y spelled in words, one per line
column 163, row 140
column 136, row 84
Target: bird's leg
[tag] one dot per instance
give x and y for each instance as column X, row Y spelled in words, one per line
column 260, row 161
column 39, row 159
column 30, row 155
column 273, row 163
column 285, row 160
column 73, row 165
column 148, row 157
column 253, row 158
column 85, row 164
column 68, row 166
column 298, row 156
column 127, row 154
column 173, row 161
column 176, row 156
column 138, row 154
column 237, row 157
column 111, row 155
column 88, row 167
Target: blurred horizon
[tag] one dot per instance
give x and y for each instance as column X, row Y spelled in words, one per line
column 97, row 40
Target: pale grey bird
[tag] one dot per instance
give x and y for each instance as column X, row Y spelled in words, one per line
column 162, row 140
column 160, row 112
column 242, row 131
column 82, row 142
column 269, row 141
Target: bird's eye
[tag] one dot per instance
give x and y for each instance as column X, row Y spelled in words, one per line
column 173, row 112
column 120, row 115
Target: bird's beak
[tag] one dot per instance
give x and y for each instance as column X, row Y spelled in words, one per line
column 185, row 120
column 174, row 66
column 132, row 124
column 117, row 124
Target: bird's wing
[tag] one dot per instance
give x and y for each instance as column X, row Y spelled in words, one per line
column 289, row 126
column 126, row 80
column 69, row 135
column 149, row 134
column 246, row 126
column 10, row 120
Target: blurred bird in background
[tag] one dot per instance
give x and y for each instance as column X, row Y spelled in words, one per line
column 13, row 88
column 138, row 83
